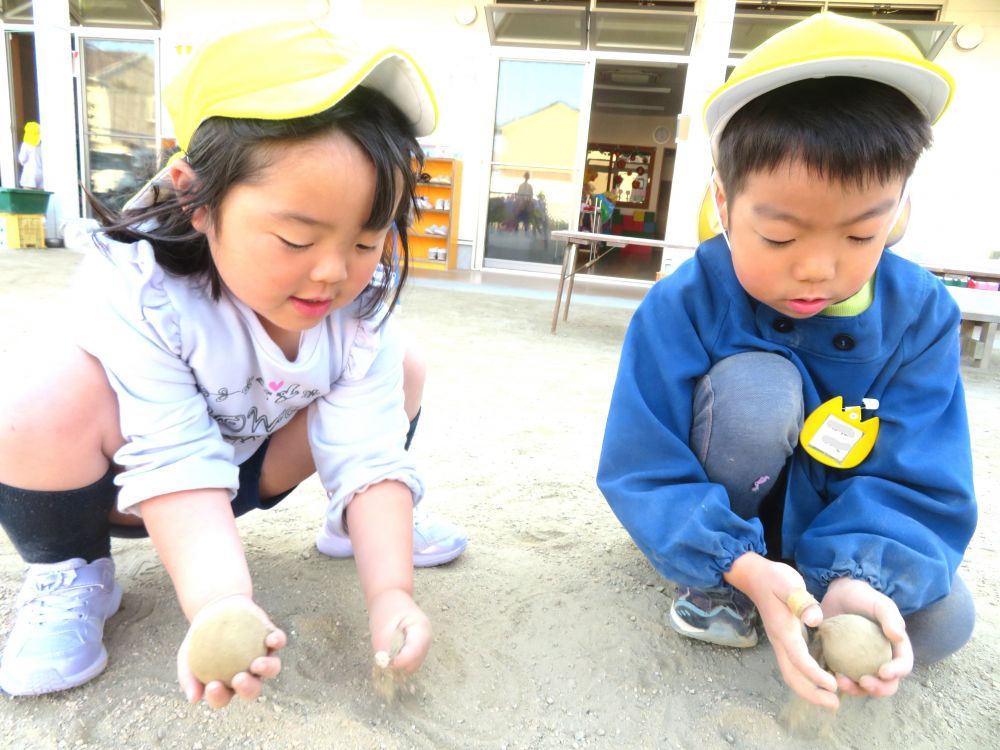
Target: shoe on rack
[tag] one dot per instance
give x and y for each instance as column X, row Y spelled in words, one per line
column 435, row 542
column 722, row 616
column 57, row 639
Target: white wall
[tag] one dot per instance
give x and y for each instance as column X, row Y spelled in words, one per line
column 953, row 189
column 955, row 186
column 456, row 60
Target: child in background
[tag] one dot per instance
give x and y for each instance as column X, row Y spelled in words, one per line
column 229, row 343
column 814, row 136
column 29, row 156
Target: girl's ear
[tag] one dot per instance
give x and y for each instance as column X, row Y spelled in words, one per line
column 184, row 180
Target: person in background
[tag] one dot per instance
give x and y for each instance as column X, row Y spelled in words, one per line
column 30, row 157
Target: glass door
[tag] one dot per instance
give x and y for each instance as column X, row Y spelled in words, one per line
column 120, row 134
column 534, row 185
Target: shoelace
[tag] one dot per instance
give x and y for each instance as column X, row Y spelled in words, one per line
column 50, row 597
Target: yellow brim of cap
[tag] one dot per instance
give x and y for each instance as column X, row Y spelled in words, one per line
column 930, row 90
column 827, row 45
column 290, row 70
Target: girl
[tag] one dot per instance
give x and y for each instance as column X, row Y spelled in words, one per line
column 229, row 346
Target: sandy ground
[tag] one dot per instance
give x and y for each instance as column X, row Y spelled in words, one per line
column 549, row 630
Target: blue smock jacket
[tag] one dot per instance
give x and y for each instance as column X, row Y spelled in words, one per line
column 901, row 520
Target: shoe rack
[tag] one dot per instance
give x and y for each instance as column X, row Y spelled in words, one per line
column 433, row 237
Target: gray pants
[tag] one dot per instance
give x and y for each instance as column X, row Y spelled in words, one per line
column 748, row 413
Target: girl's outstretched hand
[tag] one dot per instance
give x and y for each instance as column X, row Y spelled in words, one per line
column 769, row 585
column 247, row 685
column 853, row 596
column 392, row 611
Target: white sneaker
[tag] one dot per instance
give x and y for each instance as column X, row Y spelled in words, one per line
column 435, row 542
column 57, row 639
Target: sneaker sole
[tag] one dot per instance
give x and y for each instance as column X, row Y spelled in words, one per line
column 440, row 558
column 52, row 681
column 333, row 547
column 719, row 638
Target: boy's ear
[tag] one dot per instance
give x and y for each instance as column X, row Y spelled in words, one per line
column 184, row 180
column 720, row 203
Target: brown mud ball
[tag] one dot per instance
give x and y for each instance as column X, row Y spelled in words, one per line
column 853, row 645
column 225, row 642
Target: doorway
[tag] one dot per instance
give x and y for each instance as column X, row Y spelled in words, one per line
column 630, row 158
column 23, row 86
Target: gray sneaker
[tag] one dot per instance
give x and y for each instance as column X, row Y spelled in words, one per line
column 721, row 616
column 57, row 639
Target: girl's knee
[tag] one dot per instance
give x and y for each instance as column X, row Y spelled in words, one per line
column 63, row 406
column 414, row 376
column 944, row 627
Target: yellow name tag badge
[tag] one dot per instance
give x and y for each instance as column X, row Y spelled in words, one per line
column 838, row 437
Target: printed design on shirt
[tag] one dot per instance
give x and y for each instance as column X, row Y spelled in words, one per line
column 258, row 424
column 275, row 388
column 242, row 428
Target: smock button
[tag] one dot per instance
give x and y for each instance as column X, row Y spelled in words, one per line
column 843, row 342
column 782, row 325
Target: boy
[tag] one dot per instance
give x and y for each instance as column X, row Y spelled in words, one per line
column 814, row 137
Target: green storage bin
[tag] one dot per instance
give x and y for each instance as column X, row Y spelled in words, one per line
column 20, row 201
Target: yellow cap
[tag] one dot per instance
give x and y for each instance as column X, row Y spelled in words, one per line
column 287, row 70
column 824, row 45
column 32, row 133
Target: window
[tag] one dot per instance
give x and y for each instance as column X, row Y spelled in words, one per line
column 755, row 22
column 664, row 26
column 134, row 14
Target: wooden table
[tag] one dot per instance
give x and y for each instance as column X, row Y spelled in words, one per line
column 986, row 270
column 980, row 317
column 592, row 240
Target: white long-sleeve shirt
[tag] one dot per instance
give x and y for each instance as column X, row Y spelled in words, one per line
column 201, row 385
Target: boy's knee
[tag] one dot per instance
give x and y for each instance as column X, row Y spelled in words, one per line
column 944, row 627
column 753, row 388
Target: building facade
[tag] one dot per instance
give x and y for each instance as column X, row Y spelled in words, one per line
column 569, row 97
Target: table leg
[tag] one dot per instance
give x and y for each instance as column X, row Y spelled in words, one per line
column 572, row 278
column 570, row 247
column 990, row 330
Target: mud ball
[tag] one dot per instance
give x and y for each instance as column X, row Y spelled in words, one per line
column 853, row 645
column 225, row 642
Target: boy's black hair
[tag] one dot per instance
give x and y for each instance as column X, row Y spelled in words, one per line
column 226, row 151
column 847, row 130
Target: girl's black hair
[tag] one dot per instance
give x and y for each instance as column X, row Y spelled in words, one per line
column 848, row 130
column 226, row 151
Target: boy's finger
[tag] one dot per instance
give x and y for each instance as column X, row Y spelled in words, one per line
column 799, row 600
column 809, row 690
column 848, row 686
column 798, row 656
column 879, row 688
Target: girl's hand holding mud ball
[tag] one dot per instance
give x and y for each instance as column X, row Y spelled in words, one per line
column 228, row 650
